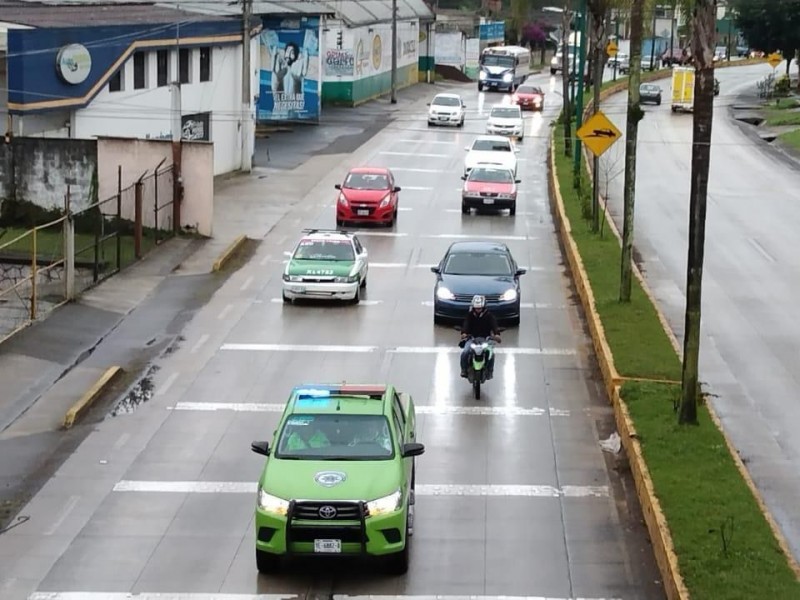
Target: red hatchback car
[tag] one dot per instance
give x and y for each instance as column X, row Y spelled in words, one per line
column 489, row 187
column 368, row 195
column 529, row 96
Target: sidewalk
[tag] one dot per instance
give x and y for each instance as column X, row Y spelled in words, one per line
column 130, row 319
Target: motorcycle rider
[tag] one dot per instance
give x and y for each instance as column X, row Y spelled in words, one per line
column 479, row 322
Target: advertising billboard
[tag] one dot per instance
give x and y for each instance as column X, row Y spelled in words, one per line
column 289, row 81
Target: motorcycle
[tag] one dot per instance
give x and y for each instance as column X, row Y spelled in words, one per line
column 481, row 353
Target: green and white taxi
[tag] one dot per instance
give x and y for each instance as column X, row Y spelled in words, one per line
column 339, row 476
column 326, row 264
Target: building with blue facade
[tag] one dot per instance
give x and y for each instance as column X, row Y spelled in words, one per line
column 135, row 70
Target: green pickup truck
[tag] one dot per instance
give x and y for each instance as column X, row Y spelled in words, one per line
column 339, row 476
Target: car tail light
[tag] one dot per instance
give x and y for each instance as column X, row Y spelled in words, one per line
column 343, row 200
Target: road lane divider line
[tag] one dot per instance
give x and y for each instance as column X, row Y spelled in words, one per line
column 361, row 303
column 410, row 170
column 85, row 402
column 478, row 490
column 248, row 282
column 422, row 154
column 203, row 339
column 424, row 141
column 417, row 188
column 167, row 384
column 422, row 409
column 255, row 347
column 224, row 312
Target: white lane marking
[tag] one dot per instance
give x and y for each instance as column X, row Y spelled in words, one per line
column 379, row 265
column 393, row 153
column 224, row 313
column 416, row 188
column 123, row 439
column 445, row 597
column 247, row 283
column 297, row 348
column 265, row 260
column 203, row 339
column 526, row 305
column 167, row 384
column 424, row 409
column 410, row 170
column 68, row 508
column 519, row 214
column 461, row 236
column 250, row 487
column 155, row 596
column 405, row 209
column 455, row 350
column 362, row 303
column 423, row 141
column 366, row 232
column 396, row 350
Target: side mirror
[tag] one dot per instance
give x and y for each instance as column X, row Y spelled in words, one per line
column 466, row 148
column 260, row 448
column 338, row 186
column 518, row 181
column 412, row 449
column 436, row 270
column 464, row 177
column 521, row 272
column 428, row 104
column 397, row 188
column 516, row 150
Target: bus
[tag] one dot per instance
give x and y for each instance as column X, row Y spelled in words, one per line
column 504, row 67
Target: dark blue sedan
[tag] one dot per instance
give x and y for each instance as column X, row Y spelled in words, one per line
column 470, row 268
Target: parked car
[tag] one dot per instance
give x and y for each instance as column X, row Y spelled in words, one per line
column 447, row 109
column 477, row 267
column 368, row 194
column 489, row 187
column 529, row 96
column 649, row 93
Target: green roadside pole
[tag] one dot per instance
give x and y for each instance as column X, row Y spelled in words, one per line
column 576, row 155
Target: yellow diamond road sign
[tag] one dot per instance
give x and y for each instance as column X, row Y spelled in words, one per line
column 774, row 60
column 612, row 49
column 598, row 133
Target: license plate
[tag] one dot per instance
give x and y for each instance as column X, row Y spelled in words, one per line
column 297, row 289
column 362, row 213
column 328, row 546
column 443, row 118
column 488, row 200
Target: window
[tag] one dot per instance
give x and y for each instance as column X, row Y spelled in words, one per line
column 399, row 413
column 185, row 65
column 115, row 83
column 205, row 64
column 139, row 70
column 162, row 67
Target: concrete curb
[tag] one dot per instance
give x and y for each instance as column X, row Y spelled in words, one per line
column 86, row 401
column 653, row 515
column 228, row 253
column 741, row 467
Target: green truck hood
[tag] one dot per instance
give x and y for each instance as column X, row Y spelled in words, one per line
column 295, row 479
column 335, row 268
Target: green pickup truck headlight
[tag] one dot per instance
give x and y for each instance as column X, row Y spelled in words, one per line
column 273, row 504
column 387, row 504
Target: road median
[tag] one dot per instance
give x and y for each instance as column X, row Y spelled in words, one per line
column 77, row 410
column 228, row 253
column 711, row 533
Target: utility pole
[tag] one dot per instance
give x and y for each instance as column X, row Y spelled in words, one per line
column 581, row 75
column 703, row 42
column 616, row 41
column 247, row 94
column 567, row 113
column 635, row 115
column 394, row 51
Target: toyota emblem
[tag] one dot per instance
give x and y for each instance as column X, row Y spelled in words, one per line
column 327, row 512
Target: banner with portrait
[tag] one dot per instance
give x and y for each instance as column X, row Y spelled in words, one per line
column 289, row 81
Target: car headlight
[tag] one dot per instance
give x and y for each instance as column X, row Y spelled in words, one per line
column 385, row 202
column 482, row 75
column 350, row 279
column 272, row 504
column 505, row 196
column 442, row 293
column 508, row 295
column 507, row 77
column 343, row 200
column 387, row 504
column 291, row 277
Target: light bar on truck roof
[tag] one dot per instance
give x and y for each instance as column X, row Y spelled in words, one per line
column 339, row 389
column 336, row 231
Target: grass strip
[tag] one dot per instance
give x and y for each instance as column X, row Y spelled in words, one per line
column 725, row 547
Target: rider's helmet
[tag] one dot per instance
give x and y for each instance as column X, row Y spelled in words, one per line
column 478, row 303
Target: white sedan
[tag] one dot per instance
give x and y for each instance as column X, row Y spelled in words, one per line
column 491, row 150
column 447, row 109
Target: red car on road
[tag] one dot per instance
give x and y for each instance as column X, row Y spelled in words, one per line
column 368, row 195
column 529, row 96
column 489, row 187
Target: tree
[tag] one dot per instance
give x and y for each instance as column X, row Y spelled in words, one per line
column 598, row 9
column 566, row 114
column 769, row 25
column 703, row 44
column 635, row 115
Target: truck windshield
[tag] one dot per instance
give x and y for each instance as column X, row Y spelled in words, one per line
column 335, row 437
column 497, row 60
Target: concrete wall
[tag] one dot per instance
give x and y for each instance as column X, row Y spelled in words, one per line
column 140, row 157
column 39, row 170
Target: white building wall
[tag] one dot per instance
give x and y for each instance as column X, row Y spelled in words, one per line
column 146, row 113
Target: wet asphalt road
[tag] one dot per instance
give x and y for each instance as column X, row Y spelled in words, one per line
column 527, row 503
column 751, row 332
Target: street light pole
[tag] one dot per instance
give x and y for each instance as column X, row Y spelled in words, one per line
column 247, row 157
column 394, row 51
column 581, row 75
column 653, row 40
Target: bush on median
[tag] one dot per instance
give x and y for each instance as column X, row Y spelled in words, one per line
column 725, row 547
